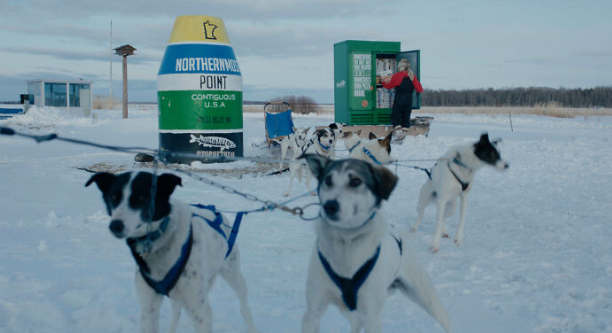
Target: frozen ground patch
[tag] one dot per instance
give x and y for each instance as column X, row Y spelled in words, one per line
column 537, row 255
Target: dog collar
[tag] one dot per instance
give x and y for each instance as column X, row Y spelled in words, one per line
column 164, row 286
column 326, row 148
column 350, row 287
column 371, row 156
column 354, row 146
column 151, row 237
column 457, row 161
column 364, row 223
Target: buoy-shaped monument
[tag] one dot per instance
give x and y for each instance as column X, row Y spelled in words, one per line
column 199, row 93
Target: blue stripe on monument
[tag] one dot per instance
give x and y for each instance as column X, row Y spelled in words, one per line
column 196, row 52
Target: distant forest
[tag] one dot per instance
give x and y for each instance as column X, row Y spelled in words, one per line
column 532, row 96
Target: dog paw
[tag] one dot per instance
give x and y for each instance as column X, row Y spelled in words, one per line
column 434, row 249
column 286, row 195
column 458, row 241
column 413, row 229
column 445, row 235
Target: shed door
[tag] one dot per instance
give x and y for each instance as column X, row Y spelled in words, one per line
column 361, row 90
column 414, row 57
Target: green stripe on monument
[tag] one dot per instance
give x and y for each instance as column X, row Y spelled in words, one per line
column 199, row 110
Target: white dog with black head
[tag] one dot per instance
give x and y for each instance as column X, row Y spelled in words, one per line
column 358, row 260
column 338, row 130
column 453, row 177
column 322, row 144
column 179, row 248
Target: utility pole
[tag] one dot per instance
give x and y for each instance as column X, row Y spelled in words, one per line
column 110, row 58
column 125, row 51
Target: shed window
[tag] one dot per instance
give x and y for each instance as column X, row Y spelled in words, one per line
column 75, row 93
column 55, row 94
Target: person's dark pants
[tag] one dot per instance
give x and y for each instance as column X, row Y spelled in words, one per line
column 400, row 114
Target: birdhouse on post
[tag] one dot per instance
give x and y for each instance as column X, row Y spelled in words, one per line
column 125, row 51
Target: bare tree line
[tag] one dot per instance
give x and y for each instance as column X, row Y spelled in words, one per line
column 299, row 104
column 532, row 96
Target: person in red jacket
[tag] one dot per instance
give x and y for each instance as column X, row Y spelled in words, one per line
column 404, row 82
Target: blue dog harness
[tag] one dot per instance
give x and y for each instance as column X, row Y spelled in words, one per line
column 371, row 156
column 350, row 287
column 164, row 286
column 354, row 146
column 218, row 221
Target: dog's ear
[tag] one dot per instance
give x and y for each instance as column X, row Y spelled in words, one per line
column 386, row 142
column 359, row 133
column 167, row 182
column 333, row 126
column 103, row 180
column 484, row 138
column 372, row 136
column 317, row 164
column 295, row 129
column 346, row 134
column 385, row 180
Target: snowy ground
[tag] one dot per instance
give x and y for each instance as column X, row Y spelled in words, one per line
column 536, row 257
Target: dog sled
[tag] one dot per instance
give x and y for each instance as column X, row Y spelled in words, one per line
column 418, row 126
column 278, row 121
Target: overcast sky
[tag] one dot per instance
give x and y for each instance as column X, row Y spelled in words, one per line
column 286, row 46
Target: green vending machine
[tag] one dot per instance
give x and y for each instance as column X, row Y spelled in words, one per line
column 359, row 66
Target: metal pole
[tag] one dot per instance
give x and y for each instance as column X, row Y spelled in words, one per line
column 125, row 92
column 110, row 57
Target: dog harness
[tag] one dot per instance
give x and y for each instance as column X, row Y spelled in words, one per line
column 350, row 287
column 297, row 144
column 464, row 185
column 164, row 286
column 218, row 221
column 354, row 146
column 371, row 156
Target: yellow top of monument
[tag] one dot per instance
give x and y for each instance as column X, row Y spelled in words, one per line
column 198, row 28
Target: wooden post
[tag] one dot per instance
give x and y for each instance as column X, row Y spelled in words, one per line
column 125, row 51
column 125, row 90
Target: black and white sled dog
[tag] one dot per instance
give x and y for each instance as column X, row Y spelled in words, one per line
column 321, row 144
column 453, row 177
column 375, row 151
column 358, row 260
column 294, row 141
column 338, row 130
column 179, row 248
